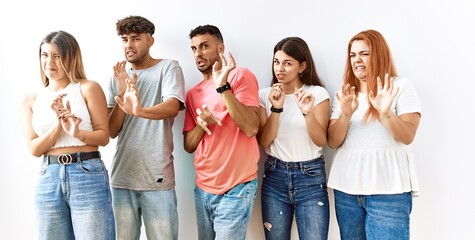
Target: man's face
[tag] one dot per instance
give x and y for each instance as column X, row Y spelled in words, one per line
column 136, row 46
column 206, row 49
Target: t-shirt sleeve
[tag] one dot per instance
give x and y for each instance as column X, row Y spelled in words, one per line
column 320, row 94
column 245, row 87
column 263, row 97
column 336, row 110
column 111, row 92
column 190, row 117
column 174, row 83
column 407, row 100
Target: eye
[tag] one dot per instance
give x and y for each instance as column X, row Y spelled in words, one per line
column 352, row 55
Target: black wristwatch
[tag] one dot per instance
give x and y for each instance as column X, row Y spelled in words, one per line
column 224, row 88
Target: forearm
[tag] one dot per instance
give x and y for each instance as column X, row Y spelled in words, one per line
column 43, row 143
column 268, row 132
column 192, row 138
column 99, row 137
column 403, row 128
column 246, row 118
column 167, row 109
column 337, row 131
column 317, row 133
column 116, row 119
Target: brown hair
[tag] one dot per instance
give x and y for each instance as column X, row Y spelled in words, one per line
column 298, row 49
column 70, row 55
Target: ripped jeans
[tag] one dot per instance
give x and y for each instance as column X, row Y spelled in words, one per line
column 298, row 188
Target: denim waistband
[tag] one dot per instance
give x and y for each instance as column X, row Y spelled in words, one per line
column 299, row 165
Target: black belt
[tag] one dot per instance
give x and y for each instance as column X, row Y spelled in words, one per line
column 68, row 158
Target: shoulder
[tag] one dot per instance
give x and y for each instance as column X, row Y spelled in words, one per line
column 316, row 90
column 89, row 86
column 242, row 74
column 168, row 63
column 28, row 99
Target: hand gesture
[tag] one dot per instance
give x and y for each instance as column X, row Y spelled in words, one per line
column 57, row 105
column 385, row 96
column 205, row 118
column 347, row 100
column 304, row 100
column 277, row 96
column 131, row 103
column 121, row 76
column 221, row 71
column 69, row 121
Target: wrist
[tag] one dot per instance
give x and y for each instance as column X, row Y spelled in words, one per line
column 223, row 88
column 276, row 110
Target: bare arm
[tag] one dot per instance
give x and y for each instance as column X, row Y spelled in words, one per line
column 268, row 127
column 97, row 106
column 317, row 123
column 192, row 138
column 38, row 145
column 348, row 102
column 404, row 127
column 245, row 117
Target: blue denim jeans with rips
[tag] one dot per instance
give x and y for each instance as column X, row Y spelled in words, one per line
column 295, row 188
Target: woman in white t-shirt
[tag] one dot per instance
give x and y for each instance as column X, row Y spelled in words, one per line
column 294, row 114
column 374, row 118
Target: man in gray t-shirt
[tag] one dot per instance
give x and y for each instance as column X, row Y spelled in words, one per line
column 145, row 94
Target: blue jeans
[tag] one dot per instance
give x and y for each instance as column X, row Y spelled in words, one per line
column 158, row 209
column 373, row 217
column 74, row 202
column 225, row 216
column 298, row 188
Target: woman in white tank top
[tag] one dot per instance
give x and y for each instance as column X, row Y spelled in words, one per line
column 65, row 122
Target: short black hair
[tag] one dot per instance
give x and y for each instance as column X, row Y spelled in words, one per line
column 204, row 29
column 134, row 24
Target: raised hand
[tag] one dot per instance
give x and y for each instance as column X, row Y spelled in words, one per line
column 131, row 103
column 347, row 100
column 121, row 76
column 385, row 96
column 205, row 118
column 69, row 121
column 304, row 100
column 277, row 95
column 57, row 105
column 221, row 71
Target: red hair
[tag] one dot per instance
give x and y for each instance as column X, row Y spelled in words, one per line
column 380, row 62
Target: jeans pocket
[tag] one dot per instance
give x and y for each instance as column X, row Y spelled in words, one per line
column 314, row 170
column 269, row 165
column 94, row 166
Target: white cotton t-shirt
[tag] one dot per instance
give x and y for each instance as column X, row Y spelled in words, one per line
column 292, row 143
column 370, row 160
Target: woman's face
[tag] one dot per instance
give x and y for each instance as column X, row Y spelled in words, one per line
column 51, row 62
column 359, row 57
column 286, row 68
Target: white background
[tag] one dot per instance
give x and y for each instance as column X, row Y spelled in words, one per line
column 432, row 43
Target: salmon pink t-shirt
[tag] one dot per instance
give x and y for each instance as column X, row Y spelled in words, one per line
column 227, row 157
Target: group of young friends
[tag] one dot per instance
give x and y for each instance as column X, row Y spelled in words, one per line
column 371, row 122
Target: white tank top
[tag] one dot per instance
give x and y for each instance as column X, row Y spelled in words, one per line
column 44, row 117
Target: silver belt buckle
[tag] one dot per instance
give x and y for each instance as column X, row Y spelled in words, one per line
column 65, row 159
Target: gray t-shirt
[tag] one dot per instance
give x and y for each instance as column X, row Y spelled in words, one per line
column 143, row 159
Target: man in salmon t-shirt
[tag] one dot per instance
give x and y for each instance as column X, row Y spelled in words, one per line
column 221, row 123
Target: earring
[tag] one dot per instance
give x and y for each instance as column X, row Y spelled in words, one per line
column 300, row 74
